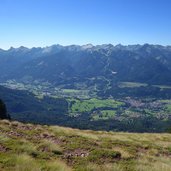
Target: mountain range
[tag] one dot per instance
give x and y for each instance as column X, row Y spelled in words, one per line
column 58, row 64
column 103, row 87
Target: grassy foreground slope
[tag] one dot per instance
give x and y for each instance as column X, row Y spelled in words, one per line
column 27, row 147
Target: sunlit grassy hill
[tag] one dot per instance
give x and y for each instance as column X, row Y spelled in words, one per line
column 27, row 147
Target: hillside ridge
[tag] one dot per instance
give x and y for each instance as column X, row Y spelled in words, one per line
column 35, row 147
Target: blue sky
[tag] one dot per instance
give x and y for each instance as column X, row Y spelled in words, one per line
column 46, row 22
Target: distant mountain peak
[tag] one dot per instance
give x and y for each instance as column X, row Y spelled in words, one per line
column 87, row 46
column 21, row 48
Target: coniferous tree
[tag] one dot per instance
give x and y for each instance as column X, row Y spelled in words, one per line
column 3, row 111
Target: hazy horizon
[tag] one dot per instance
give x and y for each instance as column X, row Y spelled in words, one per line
column 82, row 45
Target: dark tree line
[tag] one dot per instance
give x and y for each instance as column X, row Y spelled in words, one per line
column 3, row 111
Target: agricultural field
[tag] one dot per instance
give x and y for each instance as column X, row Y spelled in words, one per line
column 131, row 84
column 89, row 105
column 162, row 86
column 137, row 84
column 168, row 108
